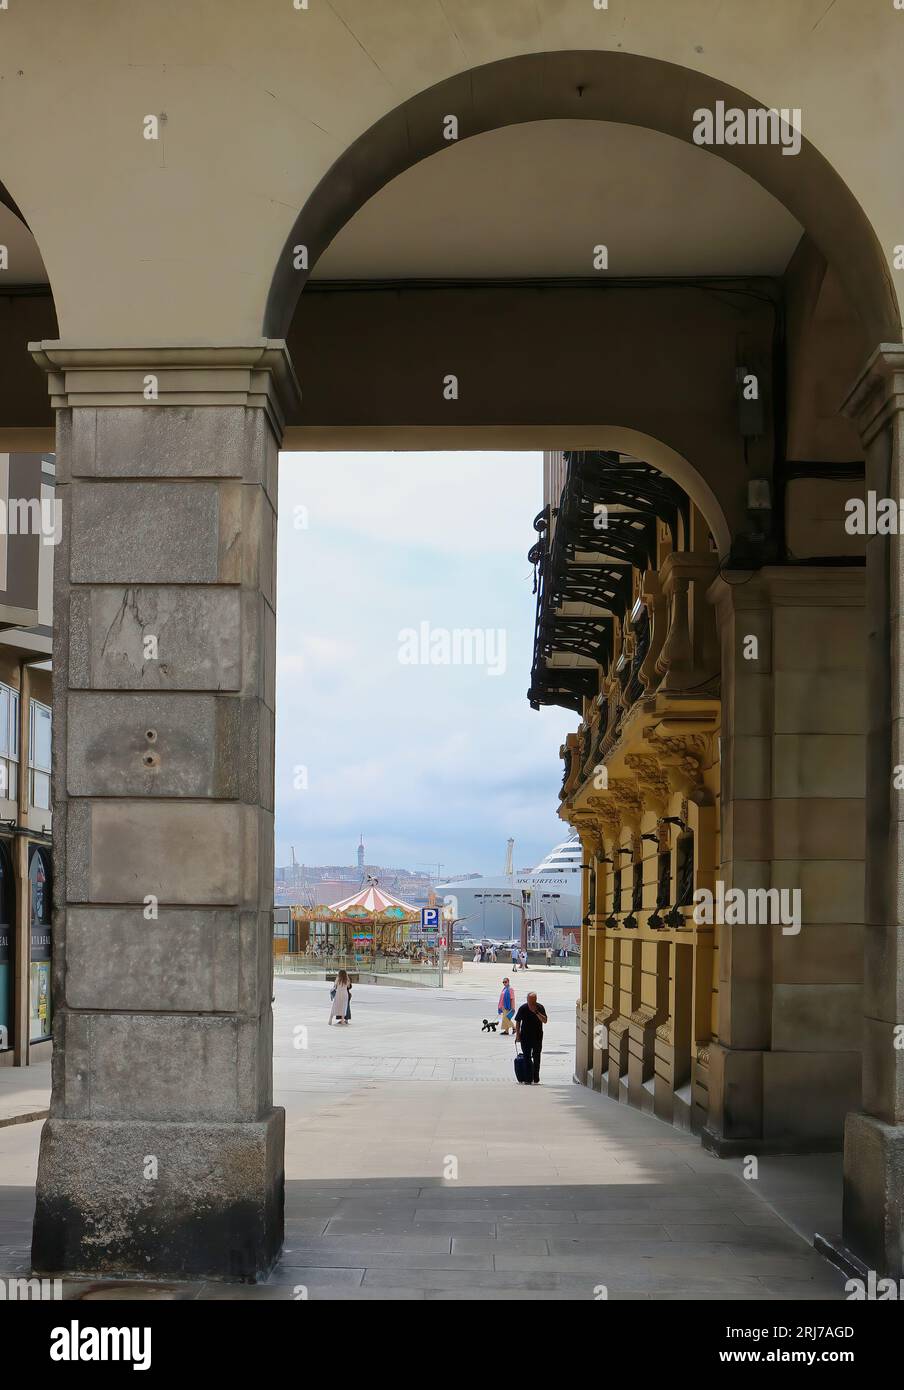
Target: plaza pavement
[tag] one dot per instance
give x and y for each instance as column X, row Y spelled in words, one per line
column 416, row 1169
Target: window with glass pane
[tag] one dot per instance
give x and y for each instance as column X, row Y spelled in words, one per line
column 40, row 736
column 9, row 742
column 39, row 729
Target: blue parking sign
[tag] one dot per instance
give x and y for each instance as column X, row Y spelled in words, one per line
column 429, row 919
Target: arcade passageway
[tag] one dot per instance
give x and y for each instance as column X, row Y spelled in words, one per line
column 285, row 229
column 559, row 1192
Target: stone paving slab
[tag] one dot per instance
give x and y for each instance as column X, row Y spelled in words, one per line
column 391, row 1243
column 24, row 1093
column 387, row 1259
column 553, row 1191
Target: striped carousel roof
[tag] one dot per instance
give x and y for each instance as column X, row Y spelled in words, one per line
column 371, row 898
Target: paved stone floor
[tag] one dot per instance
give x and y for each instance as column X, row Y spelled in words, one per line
column 24, row 1092
column 417, row 1169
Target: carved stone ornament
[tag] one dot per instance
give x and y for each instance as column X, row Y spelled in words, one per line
column 626, row 796
column 652, row 778
column 608, row 816
column 683, row 757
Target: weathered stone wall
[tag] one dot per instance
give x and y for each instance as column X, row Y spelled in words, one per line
column 163, row 1152
column 786, row 1067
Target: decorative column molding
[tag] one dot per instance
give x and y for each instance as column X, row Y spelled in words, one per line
column 877, row 398
column 874, row 1136
column 256, row 375
column 164, row 692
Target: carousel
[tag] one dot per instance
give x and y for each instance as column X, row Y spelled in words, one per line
column 357, row 929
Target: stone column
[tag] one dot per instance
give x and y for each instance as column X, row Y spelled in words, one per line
column 163, row 1153
column 786, row 1066
column 874, row 1135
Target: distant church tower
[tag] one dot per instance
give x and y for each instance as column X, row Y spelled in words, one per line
column 361, row 856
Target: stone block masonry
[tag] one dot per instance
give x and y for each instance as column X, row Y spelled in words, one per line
column 163, row 1154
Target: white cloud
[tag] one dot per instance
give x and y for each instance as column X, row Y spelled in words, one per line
column 448, row 502
column 433, row 763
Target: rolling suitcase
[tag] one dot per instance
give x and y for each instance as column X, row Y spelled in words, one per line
column 522, row 1069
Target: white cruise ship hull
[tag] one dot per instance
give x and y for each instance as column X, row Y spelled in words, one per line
column 550, row 895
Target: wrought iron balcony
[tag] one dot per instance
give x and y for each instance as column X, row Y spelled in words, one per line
column 605, row 529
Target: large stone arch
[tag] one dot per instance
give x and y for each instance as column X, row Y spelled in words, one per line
column 589, row 85
column 206, row 462
column 648, row 92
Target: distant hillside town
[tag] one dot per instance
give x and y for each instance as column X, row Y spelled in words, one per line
column 313, row 884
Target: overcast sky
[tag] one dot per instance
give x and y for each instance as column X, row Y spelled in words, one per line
column 435, row 763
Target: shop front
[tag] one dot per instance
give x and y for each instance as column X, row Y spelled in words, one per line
column 40, row 1004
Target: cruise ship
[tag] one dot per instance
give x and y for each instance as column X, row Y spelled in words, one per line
column 550, row 895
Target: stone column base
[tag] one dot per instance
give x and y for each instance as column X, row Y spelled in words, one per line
column 874, row 1193
column 214, row 1209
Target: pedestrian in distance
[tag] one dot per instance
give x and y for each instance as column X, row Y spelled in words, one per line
column 341, row 995
column 514, row 957
column 529, row 1021
column 506, row 1008
column 522, row 956
column 549, row 955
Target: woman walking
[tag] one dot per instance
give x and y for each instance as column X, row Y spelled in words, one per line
column 506, row 1008
column 341, row 995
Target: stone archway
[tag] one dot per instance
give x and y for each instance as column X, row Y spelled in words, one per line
column 165, row 639
column 588, row 85
column 644, row 91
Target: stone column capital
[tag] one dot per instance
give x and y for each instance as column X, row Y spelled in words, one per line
column 258, row 374
column 878, row 392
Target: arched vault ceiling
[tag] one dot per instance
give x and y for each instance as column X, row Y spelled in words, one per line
column 535, row 199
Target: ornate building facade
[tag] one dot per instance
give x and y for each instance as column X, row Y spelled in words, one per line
column 720, row 973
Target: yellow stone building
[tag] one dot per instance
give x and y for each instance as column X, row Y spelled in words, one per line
column 685, row 776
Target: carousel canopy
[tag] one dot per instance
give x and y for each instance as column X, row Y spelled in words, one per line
column 372, row 898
